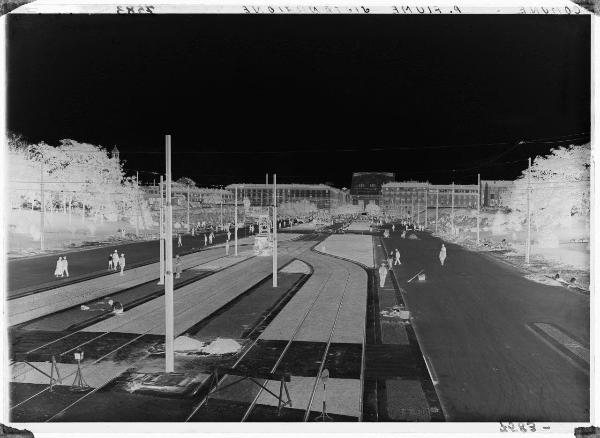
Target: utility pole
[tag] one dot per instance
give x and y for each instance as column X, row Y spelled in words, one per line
column 161, row 224
column 528, row 244
column 188, row 209
column 452, row 215
column 43, row 202
column 478, row 204
column 137, row 216
column 236, row 221
column 274, row 230
column 426, row 196
column 169, row 312
column 437, row 205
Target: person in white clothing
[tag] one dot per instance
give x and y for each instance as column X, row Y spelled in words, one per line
column 179, row 242
column 205, row 239
column 58, row 271
column 122, row 263
column 397, row 260
column 228, row 235
column 65, row 266
column 442, row 255
column 115, row 257
column 382, row 274
column 393, row 227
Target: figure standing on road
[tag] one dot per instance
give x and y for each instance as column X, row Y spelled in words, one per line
column 393, row 228
column 397, row 261
column 179, row 243
column 65, row 266
column 228, row 235
column 177, row 267
column 403, row 235
column 390, row 260
column 382, row 274
column 205, row 239
column 122, row 263
column 210, row 238
column 442, row 255
column 110, row 262
column 115, row 260
column 58, row 271
column 193, row 231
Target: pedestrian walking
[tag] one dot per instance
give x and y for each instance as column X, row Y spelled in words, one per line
column 393, row 228
column 390, row 260
column 58, row 271
column 110, row 262
column 442, row 255
column 122, row 263
column 179, row 243
column 193, row 231
column 205, row 239
column 65, row 266
column 177, row 267
column 210, row 238
column 403, row 235
column 115, row 257
column 382, row 274
column 397, row 261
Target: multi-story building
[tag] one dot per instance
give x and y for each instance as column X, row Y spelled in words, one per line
column 323, row 196
column 413, row 196
column 199, row 196
column 366, row 187
column 495, row 193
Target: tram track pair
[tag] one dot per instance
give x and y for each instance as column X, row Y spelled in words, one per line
column 274, row 368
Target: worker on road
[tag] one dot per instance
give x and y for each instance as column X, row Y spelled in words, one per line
column 177, row 267
column 382, row 274
column 115, row 257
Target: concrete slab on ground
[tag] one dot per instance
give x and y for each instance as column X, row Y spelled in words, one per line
column 359, row 226
column 343, row 395
column 356, row 247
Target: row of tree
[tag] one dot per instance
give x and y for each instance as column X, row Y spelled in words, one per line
column 72, row 175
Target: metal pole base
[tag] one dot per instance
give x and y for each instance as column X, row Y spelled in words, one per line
column 324, row 416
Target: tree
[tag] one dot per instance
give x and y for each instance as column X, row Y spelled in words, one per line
column 373, row 209
column 560, row 189
column 184, row 180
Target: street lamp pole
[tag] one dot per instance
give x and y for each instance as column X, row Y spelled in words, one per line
column 528, row 244
column 274, row 230
column 169, row 313
column 161, row 224
column 478, row 204
column 236, row 221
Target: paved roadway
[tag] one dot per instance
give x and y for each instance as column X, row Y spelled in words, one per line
column 470, row 317
column 34, row 272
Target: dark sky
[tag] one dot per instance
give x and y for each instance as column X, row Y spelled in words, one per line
column 312, row 98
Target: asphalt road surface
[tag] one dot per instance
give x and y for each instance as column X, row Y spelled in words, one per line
column 471, row 319
column 30, row 273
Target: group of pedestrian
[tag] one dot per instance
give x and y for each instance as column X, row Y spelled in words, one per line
column 62, row 267
column 115, row 262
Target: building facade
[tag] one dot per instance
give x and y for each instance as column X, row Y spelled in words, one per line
column 408, row 197
column 199, row 196
column 366, row 187
column 323, row 196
